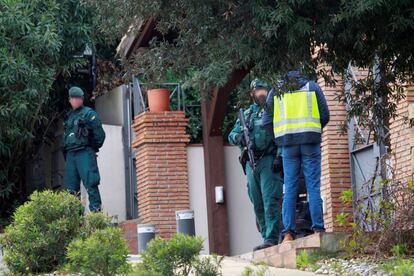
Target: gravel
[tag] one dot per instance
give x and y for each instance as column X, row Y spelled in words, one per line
column 337, row 266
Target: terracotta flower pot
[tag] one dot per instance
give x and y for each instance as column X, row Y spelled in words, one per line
column 159, row 100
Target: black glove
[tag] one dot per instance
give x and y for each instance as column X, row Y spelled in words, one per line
column 240, row 139
column 277, row 166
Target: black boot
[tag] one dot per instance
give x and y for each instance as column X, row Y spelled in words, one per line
column 264, row 245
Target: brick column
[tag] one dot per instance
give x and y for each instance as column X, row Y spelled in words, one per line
column 161, row 163
column 336, row 169
column 405, row 135
column 400, row 140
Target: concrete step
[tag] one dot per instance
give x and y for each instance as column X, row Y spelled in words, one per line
column 284, row 255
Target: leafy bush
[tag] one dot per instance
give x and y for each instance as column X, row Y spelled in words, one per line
column 93, row 222
column 261, row 270
column 303, row 260
column 385, row 227
column 399, row 250
column 399, row 267
column 176, row 256
column 104, row 252
column 36, row 240
column 40, row 43
column 208, row 266
column 403, row 268
column 309, row 260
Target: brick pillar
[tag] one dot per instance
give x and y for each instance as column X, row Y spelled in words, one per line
column 400, row 140
column 336, row 170
column 409, row 132
column 129, row 229
column 161, row 161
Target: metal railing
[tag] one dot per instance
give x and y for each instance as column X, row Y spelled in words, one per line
column 177, row 96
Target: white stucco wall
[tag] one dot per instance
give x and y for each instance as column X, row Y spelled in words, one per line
column 197, row 191
column 241, row 220
column 112, row 170
column 110, row 106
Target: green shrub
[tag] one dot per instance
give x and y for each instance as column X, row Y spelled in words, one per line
column 303, row 260
column 104, row 252
column 399, row 250
column 399, row 267
column 93, row 222
column 208, row 265
column 41, row 229
column 171, row 257
column 404, row 268
column 260, row 270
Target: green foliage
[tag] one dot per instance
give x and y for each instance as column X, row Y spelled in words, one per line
column 50, row 232
column 94, row 221
column 399, row 267
column 303, row 260
column 399, row 250
column 342, row 219
column 192, row 101
column 346, row 196
column 176, row 256
column 306, row 260
column 193, row 112
column 215, row 37
column 41, row 229
column 103, row 252
column 260, row 270
column 38, row 42
column 247, row 271
column 385, row 226
column 208, row 266
column 403, row 268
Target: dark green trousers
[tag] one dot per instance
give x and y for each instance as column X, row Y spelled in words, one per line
column 82, row 165
column 265, row 190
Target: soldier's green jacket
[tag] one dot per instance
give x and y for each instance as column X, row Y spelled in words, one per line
column 83, row 137
column 83, row 128
column 263, row 140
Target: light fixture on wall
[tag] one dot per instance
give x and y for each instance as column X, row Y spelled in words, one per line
column 219, row 194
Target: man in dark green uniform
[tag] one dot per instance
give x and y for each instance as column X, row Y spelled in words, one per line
column 265, row 183
column 83, row 137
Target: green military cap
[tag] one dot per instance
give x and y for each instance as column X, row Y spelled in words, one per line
column 256, row 83
column 75, row 91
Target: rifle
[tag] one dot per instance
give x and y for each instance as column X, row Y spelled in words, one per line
column 249, row 144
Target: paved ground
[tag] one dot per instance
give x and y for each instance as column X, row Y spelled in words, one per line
column 236, row 266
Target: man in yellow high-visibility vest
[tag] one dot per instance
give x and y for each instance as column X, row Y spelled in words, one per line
column 297, row 113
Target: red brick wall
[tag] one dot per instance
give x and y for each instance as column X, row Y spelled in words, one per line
column 336, row 176
column 129, row 229
column 410, row 93
column 410, row 103
column 161, row 163
column 400, row 141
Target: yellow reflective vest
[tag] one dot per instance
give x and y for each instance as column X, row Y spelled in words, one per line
column 296, row 112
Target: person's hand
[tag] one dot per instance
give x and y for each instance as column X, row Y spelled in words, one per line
column 240, row 139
